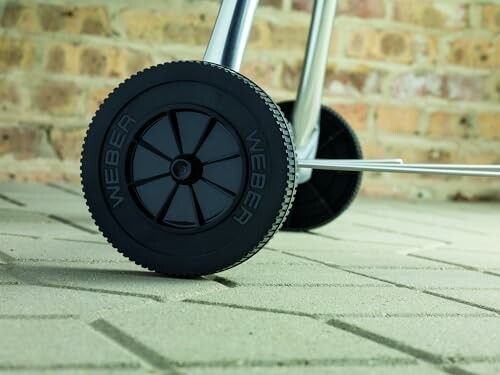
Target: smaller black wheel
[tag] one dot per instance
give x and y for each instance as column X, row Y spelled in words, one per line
column 328, row 193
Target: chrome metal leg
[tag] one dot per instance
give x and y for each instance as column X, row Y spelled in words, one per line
column 230, row 35
column 385, row 166
column 305, row 119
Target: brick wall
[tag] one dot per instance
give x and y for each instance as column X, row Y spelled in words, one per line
column 416, row 79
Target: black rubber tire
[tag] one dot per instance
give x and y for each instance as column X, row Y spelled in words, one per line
column 117, row 157
column 328, row 193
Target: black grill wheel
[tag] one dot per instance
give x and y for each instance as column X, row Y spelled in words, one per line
column 188, row 168
column 327, row 194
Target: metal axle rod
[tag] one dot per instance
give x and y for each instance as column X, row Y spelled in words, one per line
column 377, row 166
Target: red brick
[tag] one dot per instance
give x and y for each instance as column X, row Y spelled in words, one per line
column 432, row 13
column 489, row 125
column 445, row 125
column 396, row 119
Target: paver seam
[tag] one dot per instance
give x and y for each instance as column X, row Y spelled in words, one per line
column 135, row 347
column 72, row 224
column 330, row 237
column 30, row 280
column 222, row 280
column 38, row 316
column 20, row 235
column 64, row 189
column 160, row 362
column 388, row 230
column 411, row 315
column 400, row 285
column 81, row 241
column 313, row 285
column 422, row 222
column 75, row 366
column 12, row 201
column 445, row 364
column 441, row 363
column 303, row 362
column 464, row 266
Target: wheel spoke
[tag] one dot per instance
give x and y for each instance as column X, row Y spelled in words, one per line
column 320, row 198
column 204, row 136
column 164, row 208
column 330, row 139
column 144, row 181
column 199, row 213
column 174, row 124
column 222, row 189
column 153, row 149
column 223, row 158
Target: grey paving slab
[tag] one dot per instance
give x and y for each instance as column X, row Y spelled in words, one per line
column 340, row 300
column 31, row 343
column 254, row 319
column 51, row 201
column 488, row 258
column 362, row 259
column 36, row 300
column 483, row 368
column 472, row 218
column 32, row 224
column 304, row 241
column 372, row 369
column 213, row 334
column 356, row 232
column 126, row 278
column 24, row 249
column 486, row 297
column 455, row 337
column 294, row 275
column 110, row 369
column 67, row 187
column 431, row 279
column 266, row 256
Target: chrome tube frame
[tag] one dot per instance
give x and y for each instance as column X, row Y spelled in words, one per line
column 307, row 109
column 385, row 166
column 227, row 47
column 230, row 34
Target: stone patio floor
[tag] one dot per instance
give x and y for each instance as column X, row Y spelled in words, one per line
column 389, row 288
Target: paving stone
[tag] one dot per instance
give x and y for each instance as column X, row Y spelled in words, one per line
column 361, row 231
column 323, row 370
column 455, row 337
column 37, row 300
column 32, row 224
column 266, row 256
column 215, row 333
column 50, row 201
column 485, row 297
column 293, row 275
column 340, row 300
column 484, row 259
column 303, row 241
column 48, row 250
column 30, row 343
column 126, row 278
column 365, row 259
column 484, row 368
column 431, row 279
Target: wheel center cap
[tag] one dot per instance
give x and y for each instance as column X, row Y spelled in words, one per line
column 181, row 169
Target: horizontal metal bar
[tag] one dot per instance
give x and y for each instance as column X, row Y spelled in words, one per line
column 363, row 166
column 371, row 161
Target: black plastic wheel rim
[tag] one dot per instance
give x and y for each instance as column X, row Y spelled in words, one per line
column 187, row 169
